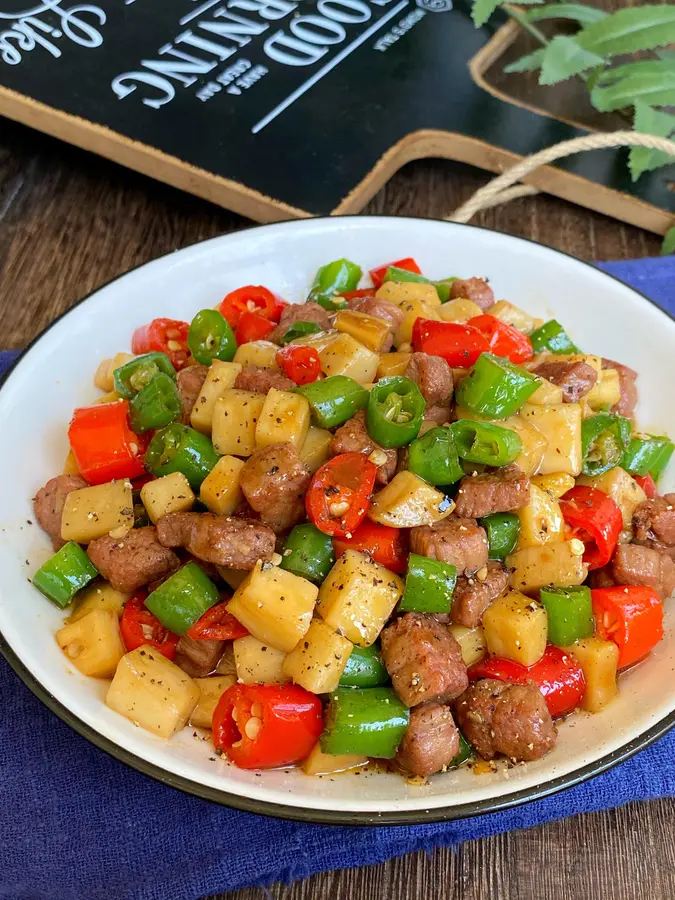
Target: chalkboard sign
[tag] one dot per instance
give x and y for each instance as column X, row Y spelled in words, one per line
column 280, row 108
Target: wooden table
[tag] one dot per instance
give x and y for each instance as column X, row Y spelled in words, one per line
column 70, row 222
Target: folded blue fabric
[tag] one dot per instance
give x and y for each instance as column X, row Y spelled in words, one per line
column 78, row 825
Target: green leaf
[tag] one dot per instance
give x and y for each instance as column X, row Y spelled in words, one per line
column 641, row 67
column 529, row 63
column 651, row 89
column 563, row 58
column 650, row 121
column 577, row 12
column 668, row 245
column 482, row 10
column 630, row 30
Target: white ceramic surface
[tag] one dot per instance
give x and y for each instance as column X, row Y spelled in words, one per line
column 56, row 374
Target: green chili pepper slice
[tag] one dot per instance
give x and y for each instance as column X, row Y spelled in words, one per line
column 465, row 753
column 442, row 287
column 495, row 387
column 503, row 530
column 300, row 329
column 333, row 400
column 429, row 586
column 395, row 411
column 178, row 448
column 180, row 600
column 210, row 337
column 604, row 439
column 364, row 669
column 570, row 613
column 334, row 278
column 133, row 376
column 434, row 457
column 485, row 443
column 308, row 553
column 647, row 455
column 64, row 574
column 156, row 405
column 367, row 721
column 552, row 336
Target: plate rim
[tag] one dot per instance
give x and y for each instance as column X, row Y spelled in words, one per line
column 297, row 813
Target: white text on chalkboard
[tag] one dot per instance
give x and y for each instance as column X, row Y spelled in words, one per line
column 44, row 24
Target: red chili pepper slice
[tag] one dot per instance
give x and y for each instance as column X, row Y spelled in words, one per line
column 339, row 493
column 254, row 299
column 595, row 519
column 217, row 624
column 104, row 445
column 139, row 626
column 558, row 676
column 459, row 345
column 647, row 484
column 264, row 726
column 164, row 336
column 504, row 339
column 630, row 616
column 252, row 327
column 301, row 364
column 408, row 264
column 356, row 295
column 387, row 546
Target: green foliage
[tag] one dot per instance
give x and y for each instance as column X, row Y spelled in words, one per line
column 576, row 12
column 529, row 63
column 563, row 57
column 668, row 245
column 650, row 121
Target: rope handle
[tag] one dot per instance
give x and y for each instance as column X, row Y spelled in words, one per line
column 501, row 189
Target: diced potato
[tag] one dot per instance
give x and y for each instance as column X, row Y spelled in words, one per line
column 104, row 377
column 315, row 451
column 459, row 310
column 547, row 394
column 368, row 330
column 70, row 466
column 97, row 596
column 358, row 596
column 621, row 487
column 275, row 606
column 220, row 378
column 320, row 763
column 91, row 512
column 598, row 660
column 319, row 659
column 258, row 663
column 561, row 426
column 534, row 443
column 171, row 493
column 319, row 340
column 220, row 491
column 541, row 521
column 93, row 643
column 400, row 293
column 235, row 418
column 606, row 391
column 151, row 691
column 210, row 691
column 513, row 315
column 471, row 641
column 284, row 418
column 393, row 364
column 258, row 353
column 555, row 484
column 535, row 567
column 516, row 628
column 111, row 397
column 346, row 356
column 408, row 501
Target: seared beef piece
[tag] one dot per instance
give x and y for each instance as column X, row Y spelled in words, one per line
column 198, row 658
column 300, row 312
column 260, row 380
column 633, row 564
column 134, row 560
column 381, row 309
column 629, row 395
column 431, row 741
column 460, row 542
column 575, row 378
column 476, row 289
column 49, row 501
column 432, row 375
column 233, row 543
column 500, row 490
column 274, row 481
column 654, row 522
column 438, row 413
column 474, row 593
column 353, row 437
column 189, row 383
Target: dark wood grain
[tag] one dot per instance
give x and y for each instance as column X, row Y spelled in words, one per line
column 70, row 222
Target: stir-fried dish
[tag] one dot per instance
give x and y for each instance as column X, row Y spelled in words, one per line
column 405, row 522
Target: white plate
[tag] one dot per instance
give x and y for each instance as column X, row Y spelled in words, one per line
column 55, row 375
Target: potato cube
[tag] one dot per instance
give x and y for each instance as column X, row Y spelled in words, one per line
column 515, row 628
column 97, row 596
column 408, row 501
column 275, row 606
column 315, row 450
column 93, row 644
column 561, row 426
column 91, row 512
column 258, row 663
column 346, row 356
column 513, row 315
column 393, row 364
column 459, row 310
column 318, row 341
column 320, row 763
column 471, row 642
column 598, row 660
column 622, row 488
column 210, row 691
column 319, row 659
column 541, row 520
column 235, row 419
column 111, row 397
column 171, row 493
column 401, row 293
column 606, row 391
column 258, row 353
column 220, row 378
column 547, row 394
column 358, row 596
column 368, row 330
column 104, row 377
column 220, row 491
column 555, row 484
column 535, row 567
column 70, row 466
column 284, row 418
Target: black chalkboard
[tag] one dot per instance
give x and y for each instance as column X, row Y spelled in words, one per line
column 284, row 107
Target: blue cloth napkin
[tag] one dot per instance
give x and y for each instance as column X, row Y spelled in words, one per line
column 78, row 825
